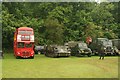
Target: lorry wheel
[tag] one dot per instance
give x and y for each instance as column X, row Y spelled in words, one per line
column 78, row 54
column 114, row 54
column 39, row 52
column 55, row 56
column 89, row 55
column 51, row 55
column 95, row 53
column 75, row 55
column 45, row 54
column 118, row 54
column 72, row 54
column 69, row 55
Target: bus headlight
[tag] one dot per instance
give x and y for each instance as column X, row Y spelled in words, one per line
column 32, row 53
column 18, row 53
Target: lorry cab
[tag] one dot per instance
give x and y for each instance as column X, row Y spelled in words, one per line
column 102, row 45
column 116, row 45
column 108, row 47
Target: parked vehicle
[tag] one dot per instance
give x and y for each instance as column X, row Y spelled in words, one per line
column 57, row 51
column 102, row 45
column 24, row 42
column 71, row 44
column 39, row 50
column 81, row 49
column 116, row 44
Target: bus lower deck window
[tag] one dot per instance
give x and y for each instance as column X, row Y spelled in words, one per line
column 20, row 45
column 28, row 45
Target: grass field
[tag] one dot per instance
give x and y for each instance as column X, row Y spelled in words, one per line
column 70, row 67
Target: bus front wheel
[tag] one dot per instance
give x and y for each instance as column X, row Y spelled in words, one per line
column 17, row 57
column 32, row 57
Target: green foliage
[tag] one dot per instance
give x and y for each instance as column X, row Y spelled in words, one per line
column 8, row 23
column 56, row 23
column 54, row 31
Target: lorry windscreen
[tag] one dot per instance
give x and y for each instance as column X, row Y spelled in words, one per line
column 20, row 45
column 107, row 43
column 82, row 45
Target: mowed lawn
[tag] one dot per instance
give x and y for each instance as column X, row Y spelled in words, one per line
column 65, row 67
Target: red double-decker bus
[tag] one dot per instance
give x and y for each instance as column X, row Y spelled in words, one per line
column 24, row 42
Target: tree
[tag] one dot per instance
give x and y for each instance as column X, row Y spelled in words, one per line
column 54, row 31
column 8, row 23
column 58, row 22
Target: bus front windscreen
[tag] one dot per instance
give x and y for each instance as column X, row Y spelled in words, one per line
column 28, row 45
column 20, row 45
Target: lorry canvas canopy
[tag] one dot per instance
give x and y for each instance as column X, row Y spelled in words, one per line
column 102, row 39
column 82, row 45
column 107, row 43
column 116, row 42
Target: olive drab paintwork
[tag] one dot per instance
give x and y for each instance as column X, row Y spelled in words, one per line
column 102, row 45
column 116, row 44
column 79, row 48
column 57, row 51
column 71, row 44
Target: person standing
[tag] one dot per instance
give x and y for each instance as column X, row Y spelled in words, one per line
column 102, row 55
column 89, row 40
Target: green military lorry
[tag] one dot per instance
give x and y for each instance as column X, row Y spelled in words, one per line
column 57, row 51
column 116, row 44
column 102, row 45
column 79, row 48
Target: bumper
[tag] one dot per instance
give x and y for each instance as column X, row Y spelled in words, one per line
column 25, row 55
column 85, row 52
column 63, row 54
column 109, row 52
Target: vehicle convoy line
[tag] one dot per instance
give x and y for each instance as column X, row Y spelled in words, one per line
column 24, row 46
